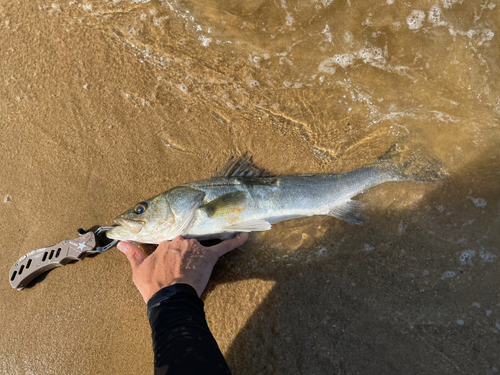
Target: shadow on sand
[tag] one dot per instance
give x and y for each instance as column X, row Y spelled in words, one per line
column 395, row 296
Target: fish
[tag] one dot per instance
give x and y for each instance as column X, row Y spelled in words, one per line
column 243, row 198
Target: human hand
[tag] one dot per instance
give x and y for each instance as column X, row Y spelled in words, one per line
column 177, row 261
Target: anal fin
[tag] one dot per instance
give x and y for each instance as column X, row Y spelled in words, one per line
column 250, row 226
column 350, row 211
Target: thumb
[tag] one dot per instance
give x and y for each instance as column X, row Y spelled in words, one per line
column 133, row 253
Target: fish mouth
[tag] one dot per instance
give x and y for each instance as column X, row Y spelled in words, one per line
column 133, row 225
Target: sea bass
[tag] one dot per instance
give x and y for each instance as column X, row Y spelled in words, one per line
column 243, row 198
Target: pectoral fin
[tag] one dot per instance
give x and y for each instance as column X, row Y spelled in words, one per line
column 350, row 212
column 250, row 226
column 224, row 204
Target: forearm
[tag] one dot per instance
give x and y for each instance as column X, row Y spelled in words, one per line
column 182, row 341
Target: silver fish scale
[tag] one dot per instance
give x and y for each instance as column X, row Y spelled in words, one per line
column 275, row 199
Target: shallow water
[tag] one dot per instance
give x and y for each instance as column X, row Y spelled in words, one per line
column 108, row 103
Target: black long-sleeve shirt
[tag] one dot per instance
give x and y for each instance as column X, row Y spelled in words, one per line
column 182, row 341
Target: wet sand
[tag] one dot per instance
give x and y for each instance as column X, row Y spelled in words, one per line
column 105, row 104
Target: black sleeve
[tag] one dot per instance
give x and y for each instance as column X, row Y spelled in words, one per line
column 182, row 341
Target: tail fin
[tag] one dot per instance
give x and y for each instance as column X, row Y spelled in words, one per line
column 412, row 165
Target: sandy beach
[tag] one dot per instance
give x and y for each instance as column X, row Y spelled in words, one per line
column 107, row 103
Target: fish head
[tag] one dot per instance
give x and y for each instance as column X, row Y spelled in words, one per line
column 161, row 218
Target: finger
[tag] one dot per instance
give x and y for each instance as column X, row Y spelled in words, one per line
column 133, row 252
column 163, row 245
column 226, row 246
column 177, row 240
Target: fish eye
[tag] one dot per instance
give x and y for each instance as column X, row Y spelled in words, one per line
column 140, row 208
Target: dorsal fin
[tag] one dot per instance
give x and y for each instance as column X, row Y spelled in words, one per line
column 240, row 167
